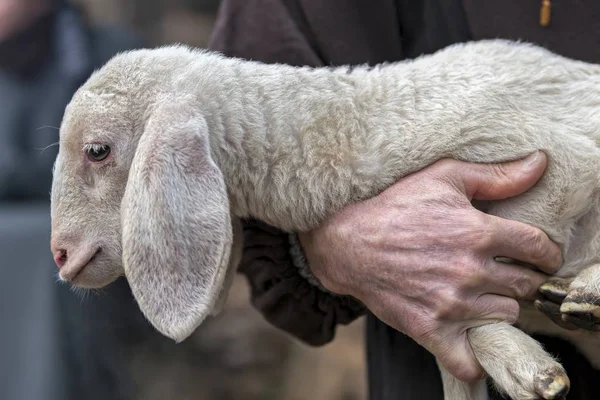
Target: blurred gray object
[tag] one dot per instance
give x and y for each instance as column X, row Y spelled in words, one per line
column 53, row 344
column 202, row 6
column 31, row 366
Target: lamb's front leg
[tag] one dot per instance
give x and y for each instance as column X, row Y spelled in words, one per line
column 573, row 303
column 516, row 363
column 455, row 389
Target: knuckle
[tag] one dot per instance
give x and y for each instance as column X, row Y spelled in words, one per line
column 537, row 242
column 469, row 272
column 476, row 276
column 523, row 286
column 450, row 304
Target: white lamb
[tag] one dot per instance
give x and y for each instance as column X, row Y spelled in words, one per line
column 161, row 152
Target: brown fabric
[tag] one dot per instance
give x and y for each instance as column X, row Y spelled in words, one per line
column 286, row 299
column 335, row 32
column 574, row 30
column 308, row 32
column 356, row 34
column 261, row 30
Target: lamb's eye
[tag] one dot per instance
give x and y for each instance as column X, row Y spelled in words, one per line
column 97, row 152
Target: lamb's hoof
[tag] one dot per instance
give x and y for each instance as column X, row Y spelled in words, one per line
column 581, row 309
column 552, row 384
column 553, row 293
column 555, row 289
column 552, row 311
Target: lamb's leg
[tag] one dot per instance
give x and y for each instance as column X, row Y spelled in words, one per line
column 573, row 303
column 553, row 293
column 517, row 364
column 581, row 306
column 455, row 389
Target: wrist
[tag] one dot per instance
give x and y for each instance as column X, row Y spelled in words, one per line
column 301, row 263
column 319, row 265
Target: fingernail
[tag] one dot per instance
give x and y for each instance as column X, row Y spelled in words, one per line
column 533, row 158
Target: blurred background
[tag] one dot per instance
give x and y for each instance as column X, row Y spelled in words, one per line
column 59, row 345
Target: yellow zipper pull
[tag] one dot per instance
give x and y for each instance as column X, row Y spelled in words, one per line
column 545, row 12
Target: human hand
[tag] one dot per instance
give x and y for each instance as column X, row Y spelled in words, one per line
column 422, row 258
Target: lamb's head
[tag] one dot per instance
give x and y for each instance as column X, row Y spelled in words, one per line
column 90, row 177
column 136, row 193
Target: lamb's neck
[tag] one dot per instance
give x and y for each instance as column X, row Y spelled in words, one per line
column 295, row 145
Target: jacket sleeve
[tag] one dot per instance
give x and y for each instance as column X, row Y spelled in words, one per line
column 282, row 287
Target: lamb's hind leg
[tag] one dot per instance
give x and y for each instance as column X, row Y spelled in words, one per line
column 573, row 303
column 581, row 306
column 517, row 364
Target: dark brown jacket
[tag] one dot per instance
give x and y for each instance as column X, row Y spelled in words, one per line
column 335, row 32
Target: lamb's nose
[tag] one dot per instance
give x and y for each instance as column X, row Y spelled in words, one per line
column 60, row 257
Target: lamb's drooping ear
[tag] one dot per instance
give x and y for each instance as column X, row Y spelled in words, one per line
column 176, row 223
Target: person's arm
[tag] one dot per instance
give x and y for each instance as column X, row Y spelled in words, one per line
column 282, row 288
column 270, row 31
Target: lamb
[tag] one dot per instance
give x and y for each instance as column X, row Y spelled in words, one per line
column 163, row 151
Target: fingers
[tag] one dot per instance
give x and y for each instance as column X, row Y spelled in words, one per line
column 525, row 243
column 493, row 308
column 459, row 360
column 511, row 280
column 500, row 181
column 455, row 353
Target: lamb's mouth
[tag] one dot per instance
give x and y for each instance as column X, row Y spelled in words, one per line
column 74, row 273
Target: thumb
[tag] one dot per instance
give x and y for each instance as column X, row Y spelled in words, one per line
column 460, row 361
column 502, row 180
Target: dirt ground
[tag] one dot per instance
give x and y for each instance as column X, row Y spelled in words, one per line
column 238, row 356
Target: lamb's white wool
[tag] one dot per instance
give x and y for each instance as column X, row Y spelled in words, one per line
column 196, row 138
